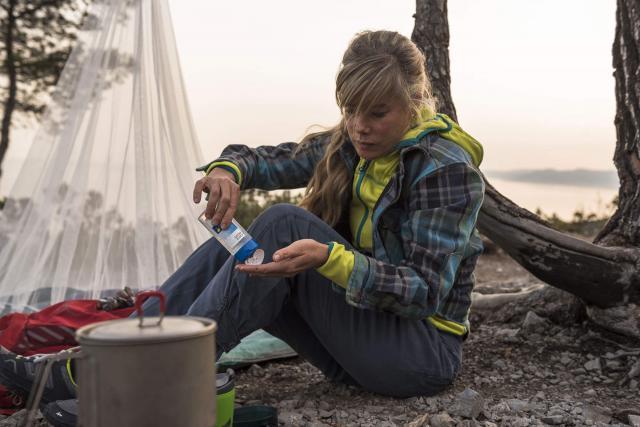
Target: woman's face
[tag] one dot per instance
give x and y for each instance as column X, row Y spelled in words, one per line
column 376, row 133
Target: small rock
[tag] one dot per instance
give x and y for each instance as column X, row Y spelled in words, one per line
column 590, row 393
column 442, row 420
column 290, row 418
column 325, row 405
column 540, row 395
column 499, row 408
column 288, row 404
column 312, row 404
column 596, row 414
column 633, row 384
column 489, row 424
column 634, row 420
column 517, row 405
column 517, row 421
column 468, row 404
column 421, row 421
column 499, row 364
column 507, row 335
column 635, row 369
column 554, row 420
column 326, row 414
column 593, row 365
column 613, row 365
column 256, row 371
column 309, row 414
column 533, row 322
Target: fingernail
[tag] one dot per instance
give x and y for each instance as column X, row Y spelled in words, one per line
column 276, row 257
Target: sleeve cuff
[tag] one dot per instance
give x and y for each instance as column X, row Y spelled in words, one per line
column 226, row 165
column 339, row 265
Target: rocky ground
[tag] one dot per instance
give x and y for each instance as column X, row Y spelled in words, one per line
column 532, row 363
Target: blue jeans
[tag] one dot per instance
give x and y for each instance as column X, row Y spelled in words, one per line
column 380, row 352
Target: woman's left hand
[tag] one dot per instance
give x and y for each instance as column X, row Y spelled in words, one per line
column 299, row 256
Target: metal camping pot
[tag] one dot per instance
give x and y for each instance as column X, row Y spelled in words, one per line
column 154, row 371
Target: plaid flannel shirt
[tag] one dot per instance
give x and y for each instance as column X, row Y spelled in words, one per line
column 425, row 244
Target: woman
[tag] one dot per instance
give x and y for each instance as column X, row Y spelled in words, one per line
column 370, row 278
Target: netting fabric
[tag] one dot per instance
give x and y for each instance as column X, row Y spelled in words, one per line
column 103, row 200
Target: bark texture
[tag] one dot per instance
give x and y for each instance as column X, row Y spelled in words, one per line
column 431, row 34
column 623, row 229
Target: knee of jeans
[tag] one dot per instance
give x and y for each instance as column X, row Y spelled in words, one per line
column 278, row 212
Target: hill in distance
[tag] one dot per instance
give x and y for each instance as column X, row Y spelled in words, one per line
column 575, row 177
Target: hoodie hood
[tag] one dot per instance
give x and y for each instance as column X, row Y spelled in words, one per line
column 447, row 129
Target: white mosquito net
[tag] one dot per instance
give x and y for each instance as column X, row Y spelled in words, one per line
column 103, row 200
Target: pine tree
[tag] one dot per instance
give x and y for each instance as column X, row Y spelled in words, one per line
column 36, row 38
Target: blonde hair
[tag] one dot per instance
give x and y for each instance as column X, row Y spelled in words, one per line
column 377, row 65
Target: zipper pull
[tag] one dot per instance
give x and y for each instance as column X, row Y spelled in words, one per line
column 364, row 166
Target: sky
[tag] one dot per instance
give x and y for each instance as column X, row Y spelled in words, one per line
column 531, row 80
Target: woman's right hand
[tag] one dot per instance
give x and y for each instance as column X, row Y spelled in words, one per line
column 224, row 194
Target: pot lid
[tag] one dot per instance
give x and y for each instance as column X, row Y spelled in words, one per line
column 154, row 329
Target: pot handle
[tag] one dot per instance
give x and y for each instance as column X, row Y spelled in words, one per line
column 142, row 297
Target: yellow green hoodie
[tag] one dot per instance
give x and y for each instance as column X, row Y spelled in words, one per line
column 370, row 180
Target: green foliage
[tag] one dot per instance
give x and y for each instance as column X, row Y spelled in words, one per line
column 253, row 202
column 44, row 33
column 2, row 202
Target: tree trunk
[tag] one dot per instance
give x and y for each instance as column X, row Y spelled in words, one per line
column 431, row 34
column 10, row 65
column 623, row 229
column 603, row 276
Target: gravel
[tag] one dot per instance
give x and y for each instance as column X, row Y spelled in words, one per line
column 536, row 363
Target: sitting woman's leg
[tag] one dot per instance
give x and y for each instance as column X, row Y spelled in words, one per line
column 184, row 286
column 241, row 304
column 381, row 352
column 384, row 353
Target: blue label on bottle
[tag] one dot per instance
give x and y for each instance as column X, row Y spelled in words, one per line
column 229, row 230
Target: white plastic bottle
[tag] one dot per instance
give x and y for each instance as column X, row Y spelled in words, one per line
column 236, row 240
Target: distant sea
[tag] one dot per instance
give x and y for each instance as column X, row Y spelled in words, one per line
column 558, row 191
